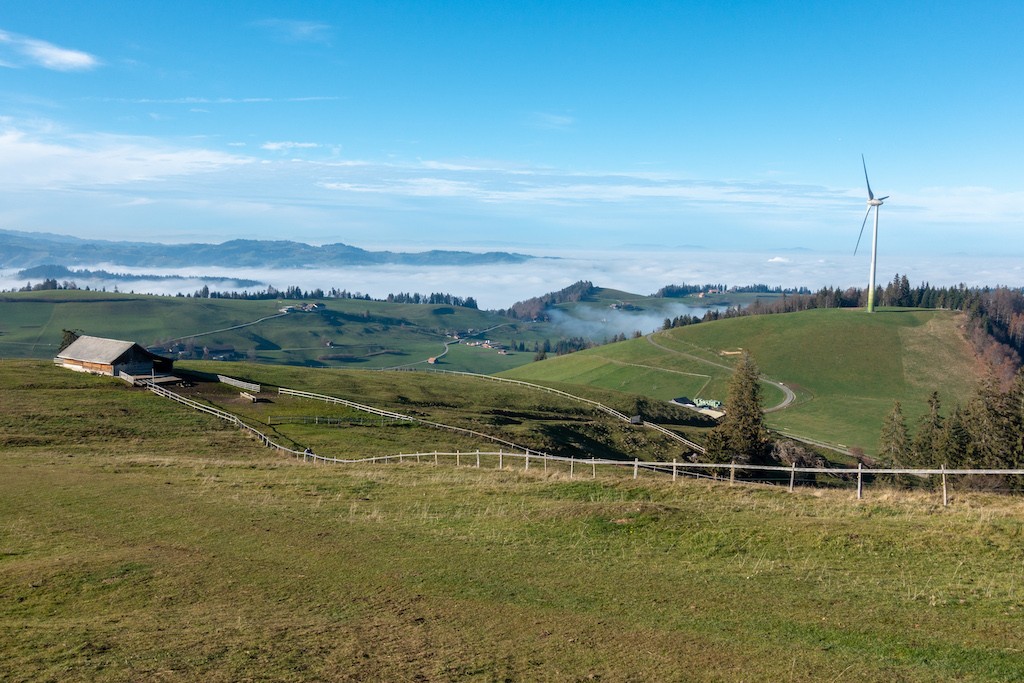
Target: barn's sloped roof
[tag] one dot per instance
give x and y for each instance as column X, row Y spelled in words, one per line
column 96, row 349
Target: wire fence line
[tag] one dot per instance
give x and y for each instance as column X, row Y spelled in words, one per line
column 399, row 416
column 771, row 474
column 596, row 404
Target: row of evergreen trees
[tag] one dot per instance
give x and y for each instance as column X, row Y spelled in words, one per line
column 987, row 432
column 995, row 315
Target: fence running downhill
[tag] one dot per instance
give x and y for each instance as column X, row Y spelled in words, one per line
column 529, row 457
column 697, row 448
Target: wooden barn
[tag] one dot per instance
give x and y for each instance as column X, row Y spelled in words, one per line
column 111, row 357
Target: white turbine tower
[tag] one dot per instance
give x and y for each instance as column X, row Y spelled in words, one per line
column 872, row 204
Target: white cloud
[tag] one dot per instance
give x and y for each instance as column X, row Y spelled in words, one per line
column 219, row 100
column 284, row 146
column 42, row 156
column 22, row 51
column 295, row 31
column 551, row 121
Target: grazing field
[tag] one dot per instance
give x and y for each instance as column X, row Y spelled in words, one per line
column 531, row 418
column 342, row 333
column 139, row 540
column 846, row 367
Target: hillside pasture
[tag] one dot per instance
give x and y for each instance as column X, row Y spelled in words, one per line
column 342, row 333
column 526, row 416
column 152, row 542
column 845, row 366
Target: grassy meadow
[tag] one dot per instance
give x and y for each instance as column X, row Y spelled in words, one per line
column 845, row 366
column 344, row 333
column 526, row 416
column 142, row 541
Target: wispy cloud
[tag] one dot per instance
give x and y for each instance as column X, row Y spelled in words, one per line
column 218, row 100
column 295, row 31
column 18, row 51
column 550, row 121
column 43, row 156
column 285, row 146
column 546, row 186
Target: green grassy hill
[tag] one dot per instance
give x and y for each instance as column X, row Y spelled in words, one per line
column 526, row 416
column 344, row 332
column 845, row 366
column 140, row 540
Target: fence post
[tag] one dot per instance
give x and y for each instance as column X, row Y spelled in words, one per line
column 435, row 457
column 501, row 460
column 527, row 461
column 458, row 458
column 478, row 457
column 417, row 457
column 545, row 459
column 945, row 498
column 673, row 469
column 860, row 480
column 636, row 467
column 792, row 477
column 572, row 465
column 593, row 467
column 732, row 473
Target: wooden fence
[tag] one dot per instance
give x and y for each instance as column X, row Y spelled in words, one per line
column 241, row 384
column 574, row 467
column 399, row 416
column 697, row 448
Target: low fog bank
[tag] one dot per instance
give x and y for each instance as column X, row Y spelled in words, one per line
column 607, row 322
column 639, row 271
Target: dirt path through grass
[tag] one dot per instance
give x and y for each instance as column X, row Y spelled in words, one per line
column 788, row 396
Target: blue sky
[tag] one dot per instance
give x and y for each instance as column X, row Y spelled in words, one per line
column 520, row 125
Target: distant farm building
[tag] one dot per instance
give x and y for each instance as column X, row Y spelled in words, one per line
column 704, row 406
column 111, row 357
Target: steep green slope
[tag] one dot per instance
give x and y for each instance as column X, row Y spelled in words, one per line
column 845, row 366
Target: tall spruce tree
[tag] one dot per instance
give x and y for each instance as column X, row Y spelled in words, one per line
column 955, row 441
column 894, row 441
column 742, row 437
column 926, row 448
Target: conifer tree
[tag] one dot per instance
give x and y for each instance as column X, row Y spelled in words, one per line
column 955, row 440
column 927, row 444
column 894, row 441
column 68, row 338
column 742, row 435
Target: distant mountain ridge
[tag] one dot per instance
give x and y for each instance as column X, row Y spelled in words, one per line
column 26, row 250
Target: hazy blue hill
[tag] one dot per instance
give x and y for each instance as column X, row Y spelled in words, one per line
column 26, row 250
column 63, row 273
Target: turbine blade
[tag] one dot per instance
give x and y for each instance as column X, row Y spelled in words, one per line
column 883, row 198
column 868, row 182
column 866, row 213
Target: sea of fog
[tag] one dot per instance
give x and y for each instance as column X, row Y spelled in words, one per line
column 638, row 271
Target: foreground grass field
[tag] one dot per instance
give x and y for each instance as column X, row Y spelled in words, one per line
column 140, row 541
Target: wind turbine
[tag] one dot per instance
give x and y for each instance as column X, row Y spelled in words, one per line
column 872, row 204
